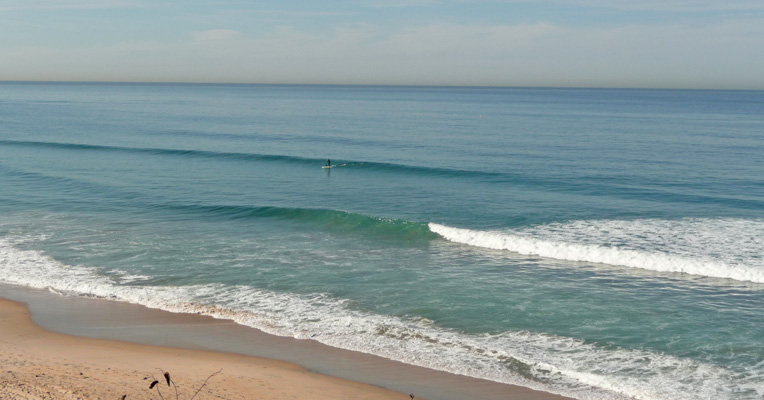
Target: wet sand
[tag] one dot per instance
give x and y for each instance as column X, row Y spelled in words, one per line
column 120, row 348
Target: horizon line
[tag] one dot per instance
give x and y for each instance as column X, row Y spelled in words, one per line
column 191, row 83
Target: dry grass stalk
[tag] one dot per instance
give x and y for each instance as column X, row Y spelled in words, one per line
column 170, row 381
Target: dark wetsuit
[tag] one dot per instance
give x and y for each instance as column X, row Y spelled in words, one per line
column 328, row 163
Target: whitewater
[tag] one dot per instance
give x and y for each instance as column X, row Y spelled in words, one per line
column 599, row 244
column 564, row 365
column 717, row 248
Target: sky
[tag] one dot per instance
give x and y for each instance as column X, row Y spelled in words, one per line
column 713, row 44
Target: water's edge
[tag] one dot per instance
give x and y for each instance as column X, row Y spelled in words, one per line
column 108, row 319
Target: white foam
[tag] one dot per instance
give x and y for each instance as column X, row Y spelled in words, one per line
column 546, row 362
column 124, row 277
column 719, row 248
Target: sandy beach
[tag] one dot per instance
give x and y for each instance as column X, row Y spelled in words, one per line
column 38, row 364
column 41, row 364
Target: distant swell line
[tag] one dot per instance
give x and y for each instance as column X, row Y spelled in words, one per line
column 260, row 157
column 598, row 254
column 502, row 178
column 161, row 151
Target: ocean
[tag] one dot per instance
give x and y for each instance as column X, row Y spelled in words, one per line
column 595, row 243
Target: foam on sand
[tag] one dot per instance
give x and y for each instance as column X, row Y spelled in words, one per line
column 546, row 362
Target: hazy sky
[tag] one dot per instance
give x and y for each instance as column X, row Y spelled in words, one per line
column 590, row 43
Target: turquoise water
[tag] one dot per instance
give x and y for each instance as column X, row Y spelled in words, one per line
column 602, row 244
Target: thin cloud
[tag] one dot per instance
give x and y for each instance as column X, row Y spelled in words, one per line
column 648, row 5
column 216, row 35
column 677, row 55
column 541, row 54
column 403, row 3
column 306, row 13
column 287, row 13
column 49, row 5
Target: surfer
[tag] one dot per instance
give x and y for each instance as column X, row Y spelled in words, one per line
column 328, row 163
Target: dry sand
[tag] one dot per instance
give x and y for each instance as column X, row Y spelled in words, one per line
column 38, row 364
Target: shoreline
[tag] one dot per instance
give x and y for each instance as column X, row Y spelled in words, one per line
column 133, row 336
column 39, row 364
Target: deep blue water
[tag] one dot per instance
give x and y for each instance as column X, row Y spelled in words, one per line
column 602, row 244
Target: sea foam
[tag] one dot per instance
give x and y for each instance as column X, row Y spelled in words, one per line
column 718, row 248
column 547, row 362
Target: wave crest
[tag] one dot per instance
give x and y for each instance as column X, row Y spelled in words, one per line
column 718, row 248
column 327, row 219
column 545, row 362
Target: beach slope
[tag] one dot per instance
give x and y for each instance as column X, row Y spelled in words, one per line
column 39, row 364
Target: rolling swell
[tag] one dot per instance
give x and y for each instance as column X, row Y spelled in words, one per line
column 116, row 198
column 588, row 186
column 363, row 165
column 331, row 220
column 166, row 152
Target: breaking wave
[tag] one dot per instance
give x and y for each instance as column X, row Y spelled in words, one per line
column 546, row 362
column 718, row 248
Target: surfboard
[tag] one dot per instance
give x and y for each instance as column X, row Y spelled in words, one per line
column 328, row 166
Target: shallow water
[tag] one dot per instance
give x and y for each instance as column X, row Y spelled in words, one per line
column 601, row 244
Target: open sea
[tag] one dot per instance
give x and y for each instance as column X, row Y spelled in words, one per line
column 600, row 244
